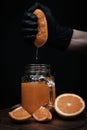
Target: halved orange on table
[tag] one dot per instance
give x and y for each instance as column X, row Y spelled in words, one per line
column 19, row 114
column 69, row 105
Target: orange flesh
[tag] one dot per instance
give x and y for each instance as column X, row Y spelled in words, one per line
column 42, row 114
column 20, row 113
column 69, row 104
column 42, row 35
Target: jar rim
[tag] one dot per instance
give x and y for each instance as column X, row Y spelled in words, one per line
column 37, row 67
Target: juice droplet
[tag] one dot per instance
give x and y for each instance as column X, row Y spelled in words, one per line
column 36, row 55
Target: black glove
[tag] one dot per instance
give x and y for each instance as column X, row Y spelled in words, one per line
column 58, row 36
column 29, row 26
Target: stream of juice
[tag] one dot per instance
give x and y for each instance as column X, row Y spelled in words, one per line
column 37, row 55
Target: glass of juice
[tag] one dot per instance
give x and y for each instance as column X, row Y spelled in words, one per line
column 37, row 87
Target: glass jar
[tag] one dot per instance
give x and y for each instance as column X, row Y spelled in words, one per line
column 37, row 87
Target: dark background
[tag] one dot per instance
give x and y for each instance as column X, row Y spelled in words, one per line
column 68, row 68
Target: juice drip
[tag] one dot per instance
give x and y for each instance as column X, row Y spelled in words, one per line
column 36, row 55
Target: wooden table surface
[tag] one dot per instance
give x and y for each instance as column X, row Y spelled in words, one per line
column 56, row 123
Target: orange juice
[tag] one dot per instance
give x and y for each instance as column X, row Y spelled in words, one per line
column 36, row 94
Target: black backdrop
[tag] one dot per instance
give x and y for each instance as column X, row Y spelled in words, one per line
column 68, row 68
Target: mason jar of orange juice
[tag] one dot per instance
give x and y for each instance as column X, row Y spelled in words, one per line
column 37, row 87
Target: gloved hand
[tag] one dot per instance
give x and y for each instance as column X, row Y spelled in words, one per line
column 58, row 36
column 29, row 26
column 29, row 23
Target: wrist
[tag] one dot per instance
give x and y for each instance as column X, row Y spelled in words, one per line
column 61, row 38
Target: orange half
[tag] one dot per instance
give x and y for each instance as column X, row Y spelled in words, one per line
column 69, row 105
